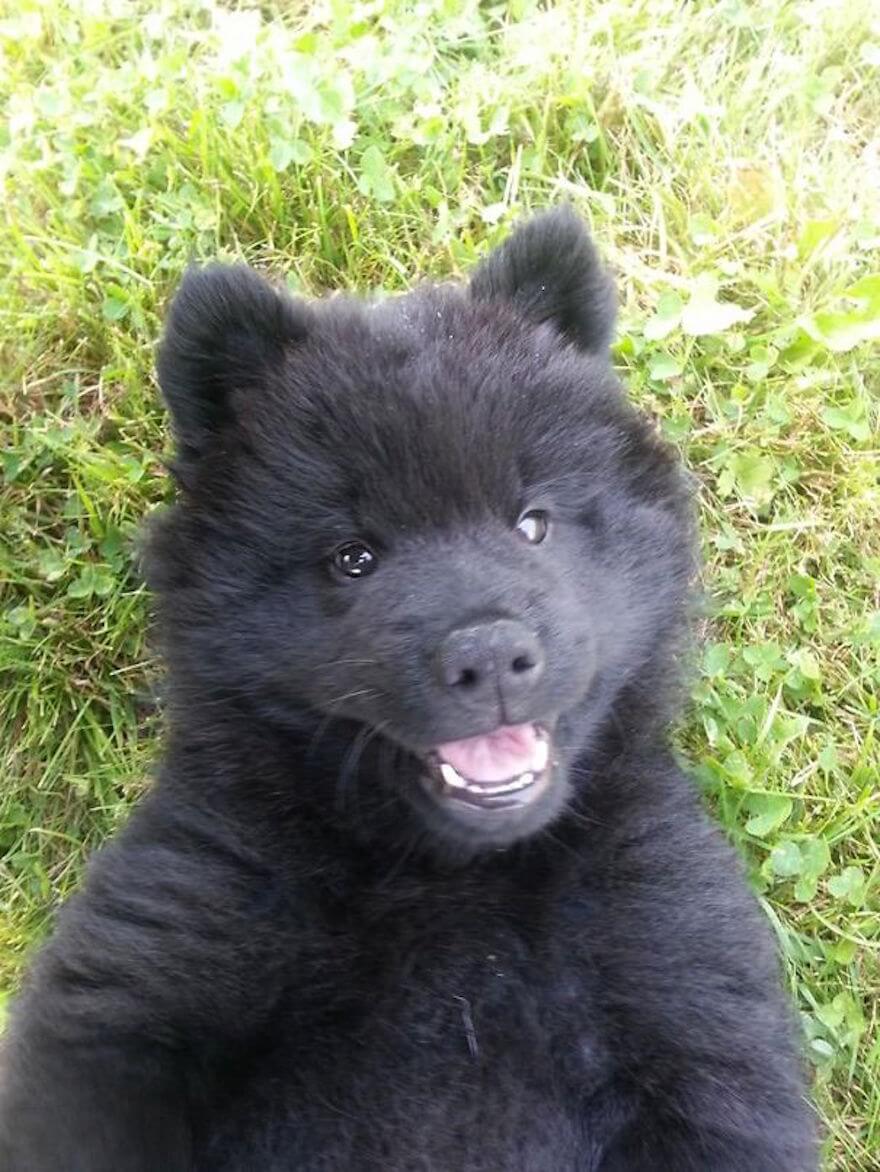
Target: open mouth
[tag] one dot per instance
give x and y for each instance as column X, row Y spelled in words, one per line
column 507, row 768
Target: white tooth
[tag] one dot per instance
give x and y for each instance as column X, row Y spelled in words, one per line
column 517, row 783
column 451, row 776
column 540, row 756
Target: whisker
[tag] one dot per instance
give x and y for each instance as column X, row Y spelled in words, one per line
column 353, row 696
column 350, row 768
column 584, row 819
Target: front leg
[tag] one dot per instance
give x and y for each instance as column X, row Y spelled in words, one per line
column 163, row 964
column 658, row 1142
column 92, row 1106
column 693, row 1000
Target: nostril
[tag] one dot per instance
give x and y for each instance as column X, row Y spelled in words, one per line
column 523, row 663
column 482, row 662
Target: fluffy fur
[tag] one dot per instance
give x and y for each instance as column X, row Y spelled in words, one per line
column 295, row 956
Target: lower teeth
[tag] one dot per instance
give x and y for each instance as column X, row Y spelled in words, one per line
column 454, row 780
column 521, row 782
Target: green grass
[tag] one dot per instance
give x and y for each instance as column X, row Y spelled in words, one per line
column 726, row 155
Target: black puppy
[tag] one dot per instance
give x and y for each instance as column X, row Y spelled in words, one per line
column 420, row 886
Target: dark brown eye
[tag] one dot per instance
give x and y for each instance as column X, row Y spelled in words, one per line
column 355, row 560
column 534, row 526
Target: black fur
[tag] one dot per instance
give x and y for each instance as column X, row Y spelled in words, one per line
column 295, row 957
column 549, row 271
column 226, row 329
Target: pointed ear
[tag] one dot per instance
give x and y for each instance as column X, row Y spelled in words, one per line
column 225, row 329
column 551, row 272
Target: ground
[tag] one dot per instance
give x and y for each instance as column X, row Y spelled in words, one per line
column 726, row 155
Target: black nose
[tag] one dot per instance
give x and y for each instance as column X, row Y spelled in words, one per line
column 493, row 662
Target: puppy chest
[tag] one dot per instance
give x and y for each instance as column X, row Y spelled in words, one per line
column 434, row 1060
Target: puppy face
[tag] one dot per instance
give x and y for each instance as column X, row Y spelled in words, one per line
column 435, row 520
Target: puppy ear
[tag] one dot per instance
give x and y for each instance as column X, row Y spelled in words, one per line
column 225, row 329
column 551, row 272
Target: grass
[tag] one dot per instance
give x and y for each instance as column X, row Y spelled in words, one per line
column 726, row 155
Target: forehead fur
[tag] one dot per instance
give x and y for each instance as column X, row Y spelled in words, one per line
column 446, row 403
column 430, row 401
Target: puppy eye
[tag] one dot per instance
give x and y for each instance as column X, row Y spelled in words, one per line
column 534, row 526
column 354, row 559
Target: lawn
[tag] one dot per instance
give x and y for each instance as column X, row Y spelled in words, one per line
column 727, row 157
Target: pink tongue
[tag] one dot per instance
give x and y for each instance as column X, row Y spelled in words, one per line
column 501, row 754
